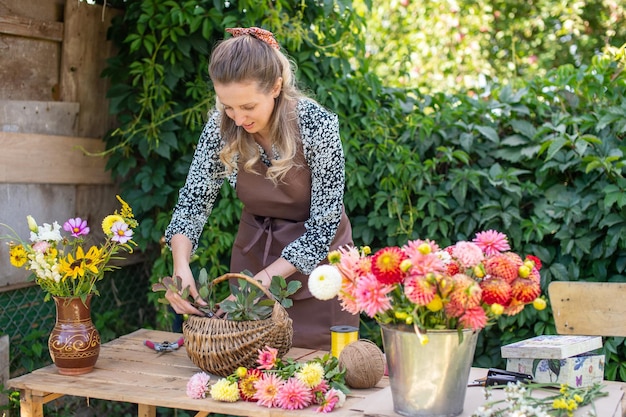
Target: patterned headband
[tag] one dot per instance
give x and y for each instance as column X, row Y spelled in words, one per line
column 261, row 34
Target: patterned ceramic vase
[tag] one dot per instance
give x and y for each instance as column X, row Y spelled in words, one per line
column 74, row 342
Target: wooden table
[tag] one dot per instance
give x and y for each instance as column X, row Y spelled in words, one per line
column 128, row 371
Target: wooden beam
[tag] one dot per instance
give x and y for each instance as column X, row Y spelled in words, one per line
column 31, row 28
column 28, row 158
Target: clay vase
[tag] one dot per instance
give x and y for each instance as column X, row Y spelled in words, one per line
column 74, row 342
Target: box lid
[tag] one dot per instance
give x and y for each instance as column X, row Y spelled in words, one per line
column 551, row 347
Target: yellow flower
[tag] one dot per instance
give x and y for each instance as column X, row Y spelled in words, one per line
column 436, row 304
column 71, row 267
column 32, row 224
column 225, row 390
column 241, row 372
column 126, row 211
column 559, row 404
column 539, row 303
column 497, row 309
column 311, row 374
column 334, row 257
column 108, row 223
column 93, row 259
column 76, row 266
column 17, row 255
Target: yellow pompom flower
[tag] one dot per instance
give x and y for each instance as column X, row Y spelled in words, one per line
column 109, row 221
column 241, row 372
column 539, row 303
column 311, row 374
column 334, row 257
column 401, row 315
column 497, row 309
column 436, row 304
column 424, row 248
column 225, row 390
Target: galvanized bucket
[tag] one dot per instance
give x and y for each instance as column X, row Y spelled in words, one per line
column 428, row 380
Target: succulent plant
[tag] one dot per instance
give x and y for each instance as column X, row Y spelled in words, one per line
column 250, row 302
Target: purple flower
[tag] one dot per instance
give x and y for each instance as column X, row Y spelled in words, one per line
column 121, row 232
column 76, row 227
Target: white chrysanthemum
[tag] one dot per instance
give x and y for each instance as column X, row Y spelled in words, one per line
column 342, row 399
column 325, row 282
column 47, row 232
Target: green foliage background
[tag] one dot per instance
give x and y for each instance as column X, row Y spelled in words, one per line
column 538, row 156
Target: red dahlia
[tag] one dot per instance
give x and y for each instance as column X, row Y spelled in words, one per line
column 386, row 265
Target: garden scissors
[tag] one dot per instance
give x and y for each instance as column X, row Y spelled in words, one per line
column 165, row 346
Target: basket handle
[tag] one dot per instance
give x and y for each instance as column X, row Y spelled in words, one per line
column 231, row 275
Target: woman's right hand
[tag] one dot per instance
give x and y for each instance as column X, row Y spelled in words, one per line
column 180, row 305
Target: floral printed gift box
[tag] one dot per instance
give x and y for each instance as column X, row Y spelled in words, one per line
column 567, row 360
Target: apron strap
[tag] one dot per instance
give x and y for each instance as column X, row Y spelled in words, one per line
column 264, row 225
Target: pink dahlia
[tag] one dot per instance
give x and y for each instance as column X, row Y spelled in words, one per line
column 474, row 318
column 492, row 242
column 371, row 295
column 386, row 265
column 420, row 290
column 413, row 247
column 466, row 292
column 331, row 400
column 293, row 395
column 467, row 254
column 351, row 264
column 267, row 358
column 267, row 389
column 198, row 385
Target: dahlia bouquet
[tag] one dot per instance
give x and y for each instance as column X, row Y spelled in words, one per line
column 68, row 265
column 278, row 383
column 467, row 285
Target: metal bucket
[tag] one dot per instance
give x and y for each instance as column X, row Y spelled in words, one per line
column 429, row 380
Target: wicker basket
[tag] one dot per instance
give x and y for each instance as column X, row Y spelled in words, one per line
column 220, row 346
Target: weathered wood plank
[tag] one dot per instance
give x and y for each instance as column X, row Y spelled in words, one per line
column 45, row 117
column 83, row 58
column 29, row 68
column 31, row 28
column 588, row 308
column 4, row 366
column 46, row 159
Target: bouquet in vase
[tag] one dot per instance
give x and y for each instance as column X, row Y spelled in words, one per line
column 69, row 265
column 467, row 285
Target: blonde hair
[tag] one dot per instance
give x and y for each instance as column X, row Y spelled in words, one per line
column 248, row 59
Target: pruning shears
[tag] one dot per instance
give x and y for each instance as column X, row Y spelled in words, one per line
column 165, row 346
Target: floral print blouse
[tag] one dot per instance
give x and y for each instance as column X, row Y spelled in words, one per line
column 323, row 153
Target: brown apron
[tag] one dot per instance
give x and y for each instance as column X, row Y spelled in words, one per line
column 273, row 216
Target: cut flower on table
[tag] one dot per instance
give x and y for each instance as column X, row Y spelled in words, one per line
column 522, row 400
column 278, row 383
column 467, row 285
column 68, row 265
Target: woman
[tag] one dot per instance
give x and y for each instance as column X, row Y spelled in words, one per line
column 282, row 153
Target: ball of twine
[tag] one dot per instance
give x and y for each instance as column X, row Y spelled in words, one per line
column 364, row 363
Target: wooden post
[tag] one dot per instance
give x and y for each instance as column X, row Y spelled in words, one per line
column 4, row 367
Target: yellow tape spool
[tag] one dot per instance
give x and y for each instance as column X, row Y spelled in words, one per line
column 340, row 337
